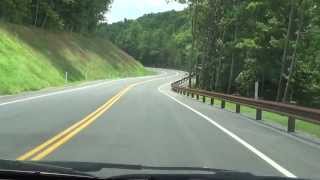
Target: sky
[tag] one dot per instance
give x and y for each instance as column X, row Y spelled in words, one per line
column 132, row 9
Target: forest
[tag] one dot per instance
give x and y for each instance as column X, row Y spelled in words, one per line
column 81, row 16
column 161, row 39
column 232, row 44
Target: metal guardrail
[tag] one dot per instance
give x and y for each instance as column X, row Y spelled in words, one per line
column 292, row 111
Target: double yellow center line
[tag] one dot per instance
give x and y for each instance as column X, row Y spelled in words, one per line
column 58, row 140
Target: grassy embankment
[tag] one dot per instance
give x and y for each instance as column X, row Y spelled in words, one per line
column 32, row 59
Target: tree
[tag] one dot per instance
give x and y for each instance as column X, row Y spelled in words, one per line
column 285, row 50
column 72, row 15
column 229, row 45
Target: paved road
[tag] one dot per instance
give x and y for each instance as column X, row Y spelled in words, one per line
column 140, row 121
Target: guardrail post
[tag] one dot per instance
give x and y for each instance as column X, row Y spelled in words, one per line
column 237, row 108
column 258, row 114
column 212, row 101
column 291, row 124
column 203, row 99
column 223, row 104
column 197, row 96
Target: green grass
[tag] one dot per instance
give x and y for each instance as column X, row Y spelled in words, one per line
column 269, row 117
column 32, row 59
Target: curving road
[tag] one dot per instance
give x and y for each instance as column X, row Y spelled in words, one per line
column 141, row 121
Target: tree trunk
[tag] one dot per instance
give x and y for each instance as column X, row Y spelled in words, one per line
column 197, row 73
column 232, row 61
column 262, row 86
column 44, row 21
column 231, row 74
column 217, row 79
column 36, row 13
column 212, row 80
column 293, row 60
column 193, row 23
column 197, row 79
column 285, row 49
column 232, row 55
column 220, row 56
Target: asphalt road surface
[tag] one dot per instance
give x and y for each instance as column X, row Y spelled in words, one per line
column 141, row 121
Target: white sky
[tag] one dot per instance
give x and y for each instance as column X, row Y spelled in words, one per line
column 132, row 9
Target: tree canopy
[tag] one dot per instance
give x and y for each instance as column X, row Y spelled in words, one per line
column 69, row 15
column 161, row 39
column 231, row 44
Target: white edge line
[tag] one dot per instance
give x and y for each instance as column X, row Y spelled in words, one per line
column 75, row 89
column 56, row 93
column 235, row 137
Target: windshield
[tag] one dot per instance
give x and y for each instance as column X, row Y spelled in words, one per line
column 181, row 86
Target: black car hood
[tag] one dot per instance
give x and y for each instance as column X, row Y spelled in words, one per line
column 37, row 167
column 105, row 170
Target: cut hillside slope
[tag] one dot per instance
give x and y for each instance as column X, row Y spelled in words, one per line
column 31, row 59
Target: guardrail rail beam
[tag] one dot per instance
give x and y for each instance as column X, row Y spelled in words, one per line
column 292, row 111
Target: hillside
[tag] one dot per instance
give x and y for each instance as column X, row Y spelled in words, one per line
column 157, row 39
column 32, row 59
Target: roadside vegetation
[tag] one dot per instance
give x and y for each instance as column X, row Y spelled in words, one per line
column 32, row 58
column 160, row 39
column 43, row 40
column 232, row 44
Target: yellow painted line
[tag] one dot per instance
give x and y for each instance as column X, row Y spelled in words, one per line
column 65, row 139
column 58, row 140
column 50, row 145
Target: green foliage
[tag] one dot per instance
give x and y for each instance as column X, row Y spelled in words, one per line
column 247, row 43
column 249, row 38
column 232, row 44
column 247, row 76
column 161, row 39
column 71, row 15
column 31, row 59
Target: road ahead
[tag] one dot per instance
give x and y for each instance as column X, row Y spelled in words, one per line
column 141, row 121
